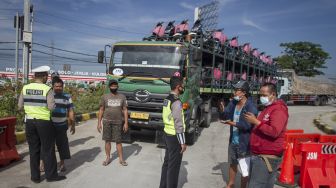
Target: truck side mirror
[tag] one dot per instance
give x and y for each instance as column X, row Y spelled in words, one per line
column 101, row 56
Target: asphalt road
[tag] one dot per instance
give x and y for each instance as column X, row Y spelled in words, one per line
column 204, row 164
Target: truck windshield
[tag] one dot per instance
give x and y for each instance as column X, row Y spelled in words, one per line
column 146, row 56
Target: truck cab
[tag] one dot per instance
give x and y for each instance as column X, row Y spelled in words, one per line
column 143, row 70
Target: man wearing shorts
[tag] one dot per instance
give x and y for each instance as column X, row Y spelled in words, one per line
column 113, row 113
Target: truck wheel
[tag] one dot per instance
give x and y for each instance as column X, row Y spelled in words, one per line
column 191, row 138
column 207, row 115
column 317, row 101
column 324, row 101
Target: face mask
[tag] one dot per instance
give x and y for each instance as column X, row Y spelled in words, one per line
column 265, row 101
column 181, row 91
column 237, row 98
column 114, row 90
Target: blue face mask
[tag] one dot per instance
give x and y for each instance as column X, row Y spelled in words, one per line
column 265, row 101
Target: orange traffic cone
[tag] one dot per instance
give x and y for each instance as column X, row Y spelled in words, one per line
column 287, row 169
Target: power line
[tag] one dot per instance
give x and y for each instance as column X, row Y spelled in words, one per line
column 76, row 31
column 64, row 50
column 69, row 58
column 91, row 25
column 60, row 49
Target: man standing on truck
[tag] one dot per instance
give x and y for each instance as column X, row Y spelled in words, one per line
column 267, row 138
column 113, row 112
column 174, row 128
column 240, row 129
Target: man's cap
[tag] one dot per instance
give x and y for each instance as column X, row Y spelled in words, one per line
column 113, row 82
column 243, row 85
column 44, row 68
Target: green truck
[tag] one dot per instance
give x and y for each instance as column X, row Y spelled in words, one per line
column 143, row 69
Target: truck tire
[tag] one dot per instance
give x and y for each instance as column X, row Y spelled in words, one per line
column 317, row 101
column 191, row 138
column 324, row 100
column 207, row 115
column 192, row 132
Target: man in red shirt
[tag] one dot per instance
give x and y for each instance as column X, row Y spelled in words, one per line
column 267, row 138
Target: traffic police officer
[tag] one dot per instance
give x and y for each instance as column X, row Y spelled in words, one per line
column 174, row 128
column 37, row 101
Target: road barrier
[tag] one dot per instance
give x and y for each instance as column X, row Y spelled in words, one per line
column 8, row 150
column 296, row 139
column 318, row 165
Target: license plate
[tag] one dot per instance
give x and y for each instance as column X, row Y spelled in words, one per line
column 138, row 115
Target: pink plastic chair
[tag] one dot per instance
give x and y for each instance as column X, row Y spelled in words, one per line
column 159, row 30
column 269, row 60
column 261, row 80
column 247, row 48
column 220, row 36
column 229, row 76
column 254, row 77
column 244, row 76
column 234, row 42
column 181, row 28
column 255, row 53
column 217, row 74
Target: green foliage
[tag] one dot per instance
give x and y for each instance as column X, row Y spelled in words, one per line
column 8, row 107
column 85, row 100
column 305, row 58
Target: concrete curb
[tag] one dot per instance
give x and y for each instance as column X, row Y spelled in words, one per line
column 323, row 126
column 21, row 136
column 86, row 116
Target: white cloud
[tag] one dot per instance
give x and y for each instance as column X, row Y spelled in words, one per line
column 187, row 5
column 251, row 23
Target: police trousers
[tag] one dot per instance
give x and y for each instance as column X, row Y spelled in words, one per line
column 172, row 162
column 41, row 135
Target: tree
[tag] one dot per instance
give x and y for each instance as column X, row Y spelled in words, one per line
column 305, row 58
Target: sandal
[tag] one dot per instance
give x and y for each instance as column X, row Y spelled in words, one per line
column 123, row 163
column 62, row 168
column 105, row 163
column 41, row 168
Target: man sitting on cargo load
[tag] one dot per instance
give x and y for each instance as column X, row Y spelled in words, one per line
column 113, row 112
column 267, row 138
column 240, row 129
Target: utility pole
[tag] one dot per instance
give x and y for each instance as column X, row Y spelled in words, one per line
column 27, row 39
column 31, row 45
column 17, row 48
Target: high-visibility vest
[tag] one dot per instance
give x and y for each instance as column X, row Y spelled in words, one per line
column 35, row 101
column 168, row 120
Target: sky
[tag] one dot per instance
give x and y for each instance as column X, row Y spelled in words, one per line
column 86, row 26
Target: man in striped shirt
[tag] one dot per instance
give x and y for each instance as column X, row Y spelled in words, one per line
column 63, row 117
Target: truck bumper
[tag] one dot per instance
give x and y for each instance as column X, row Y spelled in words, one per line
column 154, row 121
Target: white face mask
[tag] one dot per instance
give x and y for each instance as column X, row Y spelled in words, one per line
column 265, row 101
column 237, row 98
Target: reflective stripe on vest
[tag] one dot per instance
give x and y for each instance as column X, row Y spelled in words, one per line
column 35, row 101
column 168, row 120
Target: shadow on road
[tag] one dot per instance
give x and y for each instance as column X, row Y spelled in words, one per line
column 128, row 151
column 80, row 141
column 14, row 163
column 183, row 177
column 82, row 156
column 224, row 168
